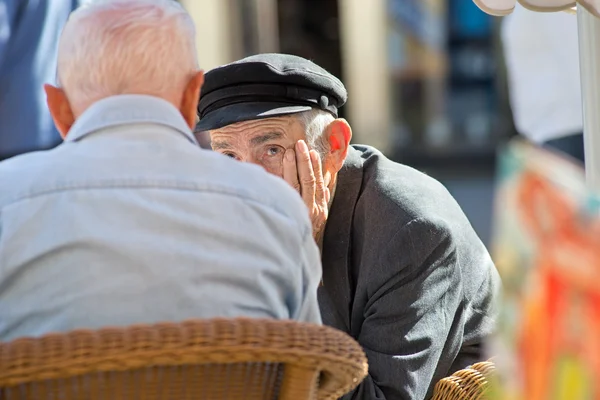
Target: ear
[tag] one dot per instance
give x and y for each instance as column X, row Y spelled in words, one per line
column 60, row 109
column 191, row 96
column 338, row 134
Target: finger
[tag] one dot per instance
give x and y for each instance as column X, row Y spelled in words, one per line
column 327, row 195
column 290, row 172
column 306, row 174
column 320, row 197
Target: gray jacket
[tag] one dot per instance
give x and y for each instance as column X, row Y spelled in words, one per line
column 405, row 274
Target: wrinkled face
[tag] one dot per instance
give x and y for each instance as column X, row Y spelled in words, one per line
column 262, row 142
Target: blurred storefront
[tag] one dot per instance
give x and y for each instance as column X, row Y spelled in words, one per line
column 425, row 78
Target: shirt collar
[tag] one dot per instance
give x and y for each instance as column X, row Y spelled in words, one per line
column 129, row 109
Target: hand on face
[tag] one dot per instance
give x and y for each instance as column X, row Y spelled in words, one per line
column 302, row 169
column 277, row 144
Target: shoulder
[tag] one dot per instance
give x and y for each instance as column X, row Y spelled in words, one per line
column 409, row 210
column 397, row 194
column 255, row 184
column 417, row 211
column 199, row 171
column 17, row 174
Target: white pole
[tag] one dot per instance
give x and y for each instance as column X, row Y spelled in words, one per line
column 589, row 64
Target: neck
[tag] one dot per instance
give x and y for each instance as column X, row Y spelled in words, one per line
column 321, row 234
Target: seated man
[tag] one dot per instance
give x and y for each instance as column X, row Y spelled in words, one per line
column 403, row 271
column 129, row 221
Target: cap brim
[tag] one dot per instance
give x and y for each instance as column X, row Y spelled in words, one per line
column 234, row 113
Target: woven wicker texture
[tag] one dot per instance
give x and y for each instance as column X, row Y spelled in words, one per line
column 467, row 384
column 204, row 359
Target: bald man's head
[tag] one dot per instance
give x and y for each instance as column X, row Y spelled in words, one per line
column 113, row 47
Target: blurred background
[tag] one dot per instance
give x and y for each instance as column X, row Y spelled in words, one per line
column 428, row 86
column 426, row 78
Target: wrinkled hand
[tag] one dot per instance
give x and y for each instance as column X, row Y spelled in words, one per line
column 302, row 169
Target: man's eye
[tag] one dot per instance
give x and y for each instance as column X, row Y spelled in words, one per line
column 230, row 155
column 273, row 151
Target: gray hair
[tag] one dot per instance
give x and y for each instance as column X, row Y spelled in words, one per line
column 111, row 47
column 315, row 122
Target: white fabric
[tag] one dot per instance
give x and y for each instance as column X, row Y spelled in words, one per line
column 542, row 59
column 504, row 7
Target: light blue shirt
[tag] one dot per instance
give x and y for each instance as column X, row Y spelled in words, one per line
column 129, row 221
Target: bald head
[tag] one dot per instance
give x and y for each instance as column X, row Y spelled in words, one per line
column 112, row 47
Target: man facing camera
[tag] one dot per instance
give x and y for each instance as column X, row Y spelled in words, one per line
column 404, row 272
column 129, row 221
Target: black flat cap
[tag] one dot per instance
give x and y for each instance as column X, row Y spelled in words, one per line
column 265, row 86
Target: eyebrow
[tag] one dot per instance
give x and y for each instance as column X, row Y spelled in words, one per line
column 265, row 137
column 220, row 145
column 255, row 141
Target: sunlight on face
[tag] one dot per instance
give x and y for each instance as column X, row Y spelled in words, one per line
column 262, row 142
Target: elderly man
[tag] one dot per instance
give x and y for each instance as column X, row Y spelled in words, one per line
column 129, row 221
column 403, row 271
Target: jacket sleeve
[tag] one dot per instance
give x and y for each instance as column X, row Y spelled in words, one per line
column 411, row 314
column 8, row 21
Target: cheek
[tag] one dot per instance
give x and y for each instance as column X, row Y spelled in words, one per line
column 273, row 169
column 271, row 164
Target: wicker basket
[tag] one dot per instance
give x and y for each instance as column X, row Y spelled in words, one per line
column 203, row 359
column 467, row 384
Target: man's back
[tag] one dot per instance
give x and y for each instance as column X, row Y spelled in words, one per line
column 131, row 222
